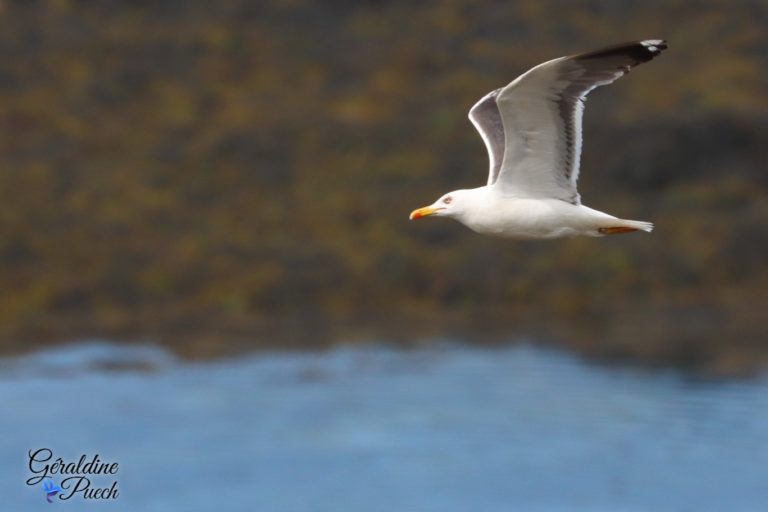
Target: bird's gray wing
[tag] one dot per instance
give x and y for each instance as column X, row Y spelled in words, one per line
column 541, row 113
column 486, row 117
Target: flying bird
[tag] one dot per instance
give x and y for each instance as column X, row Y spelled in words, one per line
column 532, row 130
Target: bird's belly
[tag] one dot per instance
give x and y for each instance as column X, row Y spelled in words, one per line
column 529, row 219
column 525, row 231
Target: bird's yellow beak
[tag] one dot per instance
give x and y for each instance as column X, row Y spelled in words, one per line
column 422, row 212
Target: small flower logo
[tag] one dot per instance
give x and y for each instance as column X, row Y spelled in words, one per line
column 51, row 489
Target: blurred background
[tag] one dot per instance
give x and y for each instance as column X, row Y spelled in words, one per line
column 229, row 182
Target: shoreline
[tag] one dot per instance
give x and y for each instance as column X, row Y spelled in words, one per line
column 705, row 357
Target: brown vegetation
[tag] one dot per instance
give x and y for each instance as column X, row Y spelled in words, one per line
column 222, row 175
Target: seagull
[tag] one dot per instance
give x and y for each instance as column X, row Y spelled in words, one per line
column 532, row 131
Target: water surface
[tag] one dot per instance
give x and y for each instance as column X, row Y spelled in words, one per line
column 446, row 428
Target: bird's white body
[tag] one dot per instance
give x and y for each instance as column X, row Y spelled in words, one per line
column 532, row 131
column 489, row 211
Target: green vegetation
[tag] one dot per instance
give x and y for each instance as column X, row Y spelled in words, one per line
column 223, row 175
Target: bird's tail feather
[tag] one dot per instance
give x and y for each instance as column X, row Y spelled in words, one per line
column 639, row 224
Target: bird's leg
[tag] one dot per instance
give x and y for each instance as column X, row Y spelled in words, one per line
column 616, row 230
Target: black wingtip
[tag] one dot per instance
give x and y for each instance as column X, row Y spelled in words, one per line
column 638, row 51
column 655, row 46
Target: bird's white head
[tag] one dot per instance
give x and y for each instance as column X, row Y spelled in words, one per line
column 453, row 204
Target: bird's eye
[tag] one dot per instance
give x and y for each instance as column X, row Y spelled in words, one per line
column 448, row 200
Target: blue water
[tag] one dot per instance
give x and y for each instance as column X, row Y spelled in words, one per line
column 442, row 429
